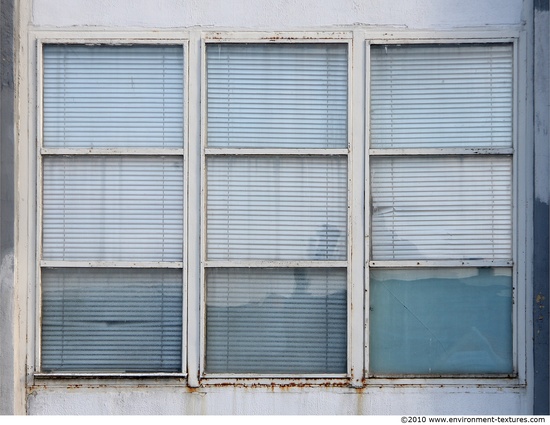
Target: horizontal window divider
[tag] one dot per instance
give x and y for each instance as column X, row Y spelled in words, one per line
column 414, row 378
column 273, row 264
column 80, row 375
column 440, row 263
column 267, row 151
column 111, row 151
column 440, row 151
column 270, row 379
column 113, row 264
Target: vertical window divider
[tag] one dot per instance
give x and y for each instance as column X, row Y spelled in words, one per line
column 519, row 219
column 356, row 198
column 196, row 132
column 185, row 320
column 39, row 205
column 367, row 231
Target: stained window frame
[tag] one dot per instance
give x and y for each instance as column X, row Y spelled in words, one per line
column 514, row 264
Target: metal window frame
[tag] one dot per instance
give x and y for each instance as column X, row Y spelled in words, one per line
column 43, row 152
column 518, row 282
column 354, row 373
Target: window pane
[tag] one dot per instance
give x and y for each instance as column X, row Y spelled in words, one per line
column 441, row 96
column 277, row 96
column 276, row 320
column 113, row 208
column 113, row 320
column 113, row 96
column 441, row 321
column 277, row 208
column 442, row 208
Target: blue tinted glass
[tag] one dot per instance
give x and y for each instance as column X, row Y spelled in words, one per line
column 432, row 321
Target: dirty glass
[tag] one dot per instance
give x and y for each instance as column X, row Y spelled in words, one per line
column 125, row 320
column 290, row 320
column 441, row 321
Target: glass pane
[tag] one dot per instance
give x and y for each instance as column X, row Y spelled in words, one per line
column 292, row 208
column 113, row 208
column 276, row 320
column 441, row 96
column 442, row 208
column 432, row 321
column 111, row 320
column 277, row 96
column 113, row 96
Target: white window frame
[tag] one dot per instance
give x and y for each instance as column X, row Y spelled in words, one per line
column 518, row 264
column 43, row 152
column 354, row 373
column 358, row 262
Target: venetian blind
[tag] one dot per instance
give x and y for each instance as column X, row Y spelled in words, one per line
column 123, row 320
column 441, row 208
column 441, row 96
column 113, row 96
column 278, row 96
column 122, row 208
column 290, row 320
column 113, row 208
column 275, row 207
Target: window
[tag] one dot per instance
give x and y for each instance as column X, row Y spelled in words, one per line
column 112, row 208
column 276, row 208
column 241, row 253
column 441, row 209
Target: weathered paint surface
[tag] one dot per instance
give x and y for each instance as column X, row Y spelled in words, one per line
column 7, row 290
column 268, row 14
column 267, row 401
column 160, row 398
column 541, row 220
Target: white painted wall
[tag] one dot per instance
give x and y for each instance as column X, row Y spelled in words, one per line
column 277, row 14
column 267, row 401
column 75, row 15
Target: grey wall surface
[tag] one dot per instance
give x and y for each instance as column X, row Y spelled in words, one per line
column 7, row 132
column 541, row 217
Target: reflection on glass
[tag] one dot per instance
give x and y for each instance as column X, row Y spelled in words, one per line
column 437, row 321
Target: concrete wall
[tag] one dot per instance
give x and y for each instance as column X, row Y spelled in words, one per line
column 163, row 397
